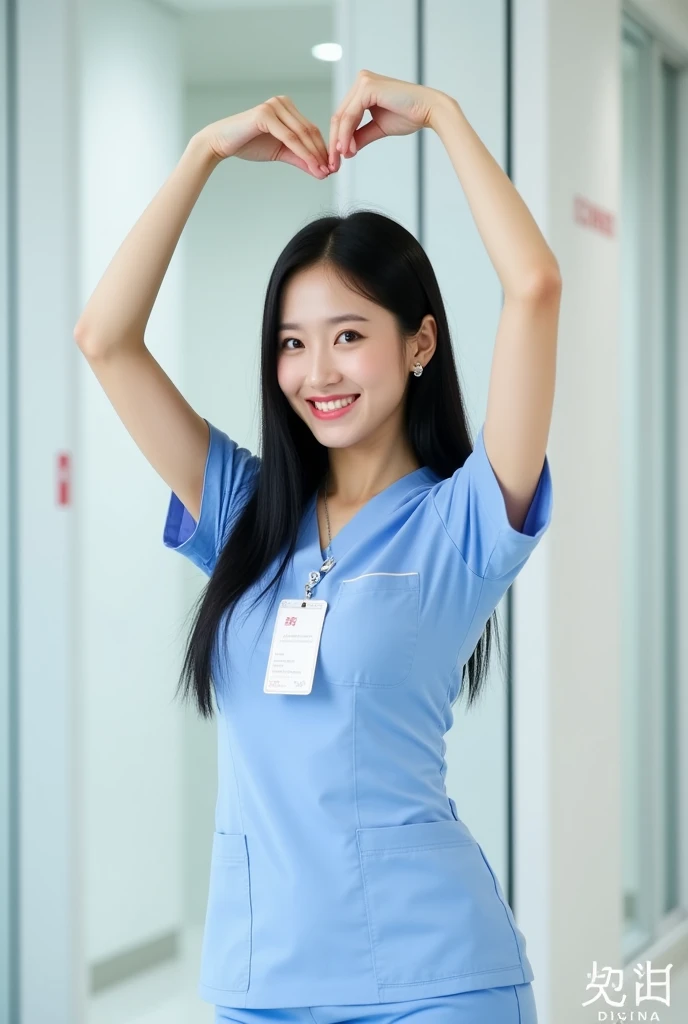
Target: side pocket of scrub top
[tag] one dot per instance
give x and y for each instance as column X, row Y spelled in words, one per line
column 433, row 912
column 372, row 632
column 226, row 952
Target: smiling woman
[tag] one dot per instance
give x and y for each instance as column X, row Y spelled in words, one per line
column 363, row 554
column 342, row 876
column 366, row 371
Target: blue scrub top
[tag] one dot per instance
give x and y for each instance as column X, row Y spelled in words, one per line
column 340, row 871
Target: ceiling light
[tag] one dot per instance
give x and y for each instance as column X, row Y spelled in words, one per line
column 327, row 51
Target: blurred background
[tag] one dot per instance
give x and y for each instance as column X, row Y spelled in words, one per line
column 573, row 773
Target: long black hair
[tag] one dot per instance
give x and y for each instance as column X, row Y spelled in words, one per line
column 378, row 258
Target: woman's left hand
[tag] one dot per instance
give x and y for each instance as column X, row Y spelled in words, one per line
column 396, row 108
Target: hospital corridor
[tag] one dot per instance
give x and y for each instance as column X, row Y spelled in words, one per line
column 188, row 395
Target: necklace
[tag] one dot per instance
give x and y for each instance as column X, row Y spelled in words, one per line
column 328, row 549
column 315, row 576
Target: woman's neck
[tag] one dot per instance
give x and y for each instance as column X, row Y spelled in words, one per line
column 352, row 481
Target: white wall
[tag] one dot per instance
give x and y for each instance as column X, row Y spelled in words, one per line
column 241, row 222
column 48, row 960
column 128, row 594
column 567, row 115
column 386, row 178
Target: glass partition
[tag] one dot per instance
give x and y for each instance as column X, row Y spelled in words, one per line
column 651, row 469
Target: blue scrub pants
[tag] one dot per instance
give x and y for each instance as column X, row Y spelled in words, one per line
column 507, row 1004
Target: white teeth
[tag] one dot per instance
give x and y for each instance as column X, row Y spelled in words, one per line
column 327, row 406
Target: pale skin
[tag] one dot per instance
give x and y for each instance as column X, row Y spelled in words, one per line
column 367, row 447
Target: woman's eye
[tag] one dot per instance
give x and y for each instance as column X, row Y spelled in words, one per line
column 285, row 341
column 351, row 332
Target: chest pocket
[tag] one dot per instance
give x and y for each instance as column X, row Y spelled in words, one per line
column 370, row 632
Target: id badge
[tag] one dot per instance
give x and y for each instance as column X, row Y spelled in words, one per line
column 294, row 646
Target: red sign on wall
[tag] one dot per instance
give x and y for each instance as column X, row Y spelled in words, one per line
column 64, row 478
column 592, row 216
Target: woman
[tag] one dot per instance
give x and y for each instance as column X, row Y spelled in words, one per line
column 355, row 565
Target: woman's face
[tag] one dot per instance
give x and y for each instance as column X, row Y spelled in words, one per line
column 359, row 356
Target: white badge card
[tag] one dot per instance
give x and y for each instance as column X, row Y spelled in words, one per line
column 294, row 646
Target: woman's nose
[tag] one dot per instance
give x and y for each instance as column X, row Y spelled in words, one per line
column 321, row 372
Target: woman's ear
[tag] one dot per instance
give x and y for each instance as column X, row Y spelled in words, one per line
column 425, row 341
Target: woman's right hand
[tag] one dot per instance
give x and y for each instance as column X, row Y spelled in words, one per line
column 274, row 130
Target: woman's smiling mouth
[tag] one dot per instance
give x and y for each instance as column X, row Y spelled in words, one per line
column 332, row 408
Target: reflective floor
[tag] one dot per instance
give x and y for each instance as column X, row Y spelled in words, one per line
column 166, row 995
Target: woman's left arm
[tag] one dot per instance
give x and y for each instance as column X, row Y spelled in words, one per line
column 522, row 377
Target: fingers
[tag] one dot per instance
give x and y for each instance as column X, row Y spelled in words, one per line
column 314, row 135
column 334, row 154
column 349, row 121
column 287, row 157
column 298, row 134
column 367, row 133
column 346, row 120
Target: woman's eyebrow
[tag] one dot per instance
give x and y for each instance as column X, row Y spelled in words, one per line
column 331, row 320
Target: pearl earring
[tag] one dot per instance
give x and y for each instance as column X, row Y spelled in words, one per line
column 417, row 369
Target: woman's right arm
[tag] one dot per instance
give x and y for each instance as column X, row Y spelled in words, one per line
column 110, row 333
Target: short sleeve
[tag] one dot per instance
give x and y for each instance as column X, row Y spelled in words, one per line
column 229, row 474
column 471, row 506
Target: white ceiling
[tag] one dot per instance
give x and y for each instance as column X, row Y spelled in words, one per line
column 240, row 41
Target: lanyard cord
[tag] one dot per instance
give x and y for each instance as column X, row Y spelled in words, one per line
column 315, row 576
column 328, row 549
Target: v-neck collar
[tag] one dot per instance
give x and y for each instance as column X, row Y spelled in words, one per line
column 362, row 521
